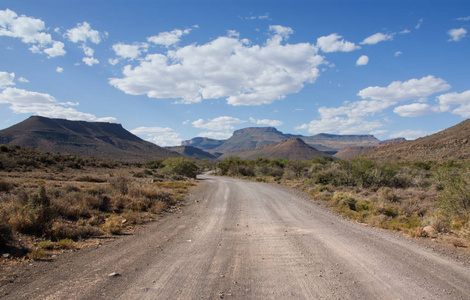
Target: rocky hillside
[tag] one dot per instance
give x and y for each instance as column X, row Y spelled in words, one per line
column 97, row 139
column 450, row 144
column 292, row 149
column 192, row 152
column 353, row 151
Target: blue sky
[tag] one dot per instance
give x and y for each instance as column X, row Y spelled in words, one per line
column 172, row 70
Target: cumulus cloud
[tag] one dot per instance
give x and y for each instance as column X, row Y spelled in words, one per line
column 332, row 43
column 168, row 38
column 410, row 134
column 226, row 67
column 377, row 38
column 462, row 100
column 415, row 110
column 129, row 51
column 217, row 124
column 90, row 61
column 57, row 49
column 216, row 135
column 357, row 117
column 409, row 90
column 457, row 34
column 398, row 53
column 23, row 80
column 268, row 122
column 83, row 33
column 59, row 70
column 362, row 61
column 27, row 102
column 30, row 31
column 6, row 79
column 162, row 136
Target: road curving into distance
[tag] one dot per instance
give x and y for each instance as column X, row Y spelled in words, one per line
column 245, row 240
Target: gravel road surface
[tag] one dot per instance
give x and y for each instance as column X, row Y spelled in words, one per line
column 245, row 240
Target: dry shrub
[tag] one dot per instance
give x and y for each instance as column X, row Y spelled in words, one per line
column 378, row 221
column 47, row 245
column 386, row 194
column 120, row 184
column 158, row 207
column 113, row 225
column 67, row 230
column 65, row 243
column 37, row 254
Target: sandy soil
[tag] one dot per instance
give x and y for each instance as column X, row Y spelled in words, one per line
column 246, row 240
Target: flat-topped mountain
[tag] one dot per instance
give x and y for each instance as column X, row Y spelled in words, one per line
column 252, row 137
column 98, row 139
column 203, row 143
column 449, row 144
column 292, row 149
column 192, row 152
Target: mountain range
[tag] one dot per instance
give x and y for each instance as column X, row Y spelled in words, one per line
column 98, row 139
column 112, row 141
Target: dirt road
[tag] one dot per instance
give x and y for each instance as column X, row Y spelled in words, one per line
column 246, row 240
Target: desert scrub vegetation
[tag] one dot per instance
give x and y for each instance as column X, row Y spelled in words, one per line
column 51, row 201
column 400, row 196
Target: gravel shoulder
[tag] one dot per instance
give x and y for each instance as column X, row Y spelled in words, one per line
column 245, row 240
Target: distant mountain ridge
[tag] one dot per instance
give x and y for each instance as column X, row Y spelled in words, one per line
column 98, row 139
column 292, row 149
column 192, row 152
column 252, row 137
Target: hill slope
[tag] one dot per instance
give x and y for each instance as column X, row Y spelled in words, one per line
column 449, row 144
column 98, row 139
column 192, row 152
column 292, row 149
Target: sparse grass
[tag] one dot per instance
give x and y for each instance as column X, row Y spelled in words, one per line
column 398, row 196
column 60, row 199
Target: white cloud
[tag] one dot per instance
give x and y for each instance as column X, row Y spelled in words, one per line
column 59, row 70
column 216, row 135
column 357, row 117
column 217, row 124
column 226, row 67
column 415, row 110
column 233, row 33
column 83, row 33
column 162, row 136
column 446, row 101
column 409, row 90
column 398, row 53
column 457, row 34
column 23, row 80
column 420, row 22
column 409, row 134
column 30, row 31
column 113, row 61
column 332, row 43
column 26, row 102
column 405, row 31
column 463, row 19
column 57, row 49
column 6, row 79
column 268, row 122
column 168, row 38
column 281, row 31
column 87, row 50
column 362, row 61
column 129, row 51
column 90, row 61
column 377, row 38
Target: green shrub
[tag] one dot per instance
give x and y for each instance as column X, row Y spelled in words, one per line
column 180, row 166
column 343, row 199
